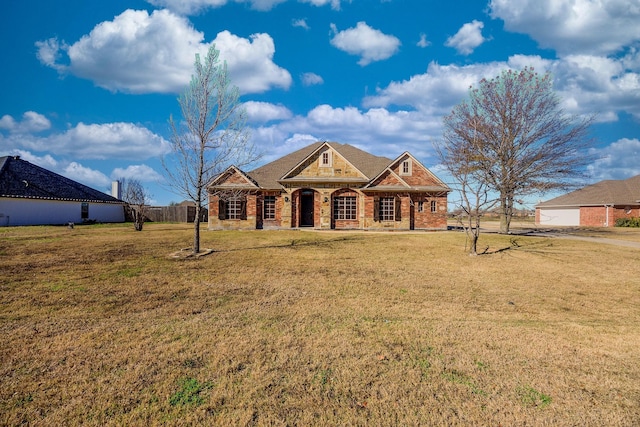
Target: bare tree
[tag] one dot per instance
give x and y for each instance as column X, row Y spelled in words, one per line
column 474, row 193
column 138, row 199
column 211, row 136
column 521, row 141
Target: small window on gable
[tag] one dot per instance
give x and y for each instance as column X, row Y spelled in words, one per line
column 405, row 167
column 325, row 159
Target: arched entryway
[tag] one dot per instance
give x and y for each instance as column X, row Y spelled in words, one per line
column 304, row 203
column 306, row 208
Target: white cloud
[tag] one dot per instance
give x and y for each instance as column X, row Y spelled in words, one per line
column 193, row 7
column 617, row 161
column 7, row 122
column 88, row 176
column 335, row 4
column 377, row 130
column 142, row 53
column 31, row 122
column 585, row 84
column 251, row 62
column 45, row 161
column 407, row 115
column 302, row 23
column 310, row 79
column 72, row 170
column 262, row 112
column 49, row 53
column 423, row 42
column 467, row 38
column 573, row 26
column 93, row 141
column 142, row 173
column 368, row 43
column 436, row 91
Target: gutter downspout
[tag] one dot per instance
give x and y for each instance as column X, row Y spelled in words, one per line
column 606, row 219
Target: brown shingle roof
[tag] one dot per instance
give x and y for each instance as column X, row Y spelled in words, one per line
column 267, row 176
column 611, row 192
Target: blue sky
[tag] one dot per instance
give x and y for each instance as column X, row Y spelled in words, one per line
column 88, row 86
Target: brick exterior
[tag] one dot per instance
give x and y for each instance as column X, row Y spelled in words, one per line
column 313, row 185
column 600, row 216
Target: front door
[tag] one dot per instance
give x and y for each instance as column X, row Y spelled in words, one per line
column 306, row 208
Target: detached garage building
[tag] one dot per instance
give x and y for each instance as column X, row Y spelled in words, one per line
column 597, row 205
column 31, row 195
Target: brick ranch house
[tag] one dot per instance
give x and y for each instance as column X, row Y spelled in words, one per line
column 328, row 185
column 597, row 205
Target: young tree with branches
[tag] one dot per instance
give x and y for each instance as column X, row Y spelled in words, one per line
column 138, row 200
column 514, row 135
column 474, row 193
column 211, row 136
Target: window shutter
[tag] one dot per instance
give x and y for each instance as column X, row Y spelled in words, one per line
column 222, row 210
column 376, row 209
column 398, row 206
column 243, row 209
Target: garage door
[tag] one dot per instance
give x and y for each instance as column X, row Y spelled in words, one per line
column 559, row 216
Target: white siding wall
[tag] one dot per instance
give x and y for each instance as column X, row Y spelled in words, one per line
column 570, row 216
column 52, row 212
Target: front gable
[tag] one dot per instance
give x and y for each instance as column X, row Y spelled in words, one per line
column 325, row 163
column 232, row 179
column 413, row 172
column 407, row 172
column 388, row 178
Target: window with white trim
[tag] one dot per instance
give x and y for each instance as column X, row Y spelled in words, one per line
column 434, row 206
column 325, row 158
column 421, row 206
column 345, row 208
column 405, row 167
column 269, row 207
column 387, row 209
column 234, row 208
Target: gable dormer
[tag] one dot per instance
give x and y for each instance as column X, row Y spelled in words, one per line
column 324, row 164
column 232, row 179
column 413, row 172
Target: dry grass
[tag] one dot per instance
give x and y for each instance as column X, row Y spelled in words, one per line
column 101, row 327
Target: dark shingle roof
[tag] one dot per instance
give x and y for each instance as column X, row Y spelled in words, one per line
column 21, row 179
column 267, row 176
column 610, row 192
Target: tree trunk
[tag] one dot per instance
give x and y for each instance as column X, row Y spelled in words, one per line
column 473, row 233
column 506, row 212
column 196, row 231
column 138, row 220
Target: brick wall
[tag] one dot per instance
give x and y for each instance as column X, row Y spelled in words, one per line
column 593, row 216
column 426, row 219
column 233, row 224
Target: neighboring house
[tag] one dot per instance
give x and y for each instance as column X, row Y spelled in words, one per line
column 597, row 205
column 328, row 185
column 31, row 195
